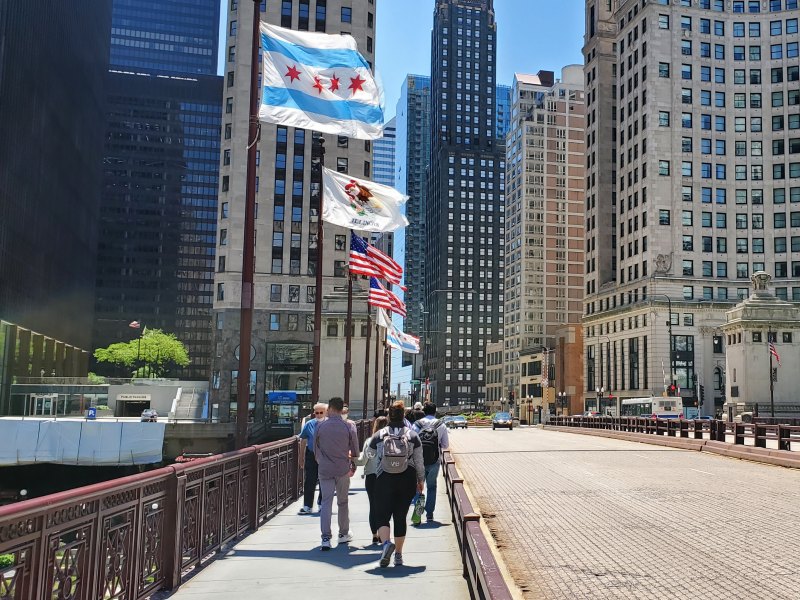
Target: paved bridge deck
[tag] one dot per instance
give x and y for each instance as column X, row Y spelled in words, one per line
column 583, row 517
column 282, row 560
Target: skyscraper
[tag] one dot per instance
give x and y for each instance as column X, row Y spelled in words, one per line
column 161, row 174
column 52, row 67
column 504, row 102
column 544, row 217
column 165, row 36
column 413, row 156
column 286, row 232
column 705, row 97
column 465, row 254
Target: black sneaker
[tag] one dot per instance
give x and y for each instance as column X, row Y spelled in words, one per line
column 326, row 543
column 386, row 554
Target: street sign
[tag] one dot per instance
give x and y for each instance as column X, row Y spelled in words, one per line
column 415, row 382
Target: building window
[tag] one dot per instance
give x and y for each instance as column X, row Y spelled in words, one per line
column 663, row 216
column 347, row 14
column 275, row 293
column 332, row 328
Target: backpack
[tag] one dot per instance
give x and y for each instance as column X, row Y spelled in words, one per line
column 429, row 436
column 395, row 451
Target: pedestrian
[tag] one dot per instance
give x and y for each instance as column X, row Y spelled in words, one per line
column 311, row 474
column 416, row 413
column 400, row 472
column 434, row 438
column 335, row 441
column 370, row 474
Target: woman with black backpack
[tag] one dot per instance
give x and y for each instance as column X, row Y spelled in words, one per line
column 400, row 474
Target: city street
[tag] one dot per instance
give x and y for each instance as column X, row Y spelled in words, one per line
column 576, row 516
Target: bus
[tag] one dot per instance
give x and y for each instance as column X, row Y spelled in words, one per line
column 654, row 406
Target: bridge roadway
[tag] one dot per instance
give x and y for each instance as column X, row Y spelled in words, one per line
column 584, row 517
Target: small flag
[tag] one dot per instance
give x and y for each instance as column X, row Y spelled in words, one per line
column 774, row 352
column 382, row 298
column 318, row 81
column 395, row 337
column 366, row 259
column 359, row 204
column 135, row 325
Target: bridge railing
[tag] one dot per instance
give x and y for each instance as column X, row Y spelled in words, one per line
column 755, row 434
column 484, row 578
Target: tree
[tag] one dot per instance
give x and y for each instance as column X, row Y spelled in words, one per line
column 151, row 355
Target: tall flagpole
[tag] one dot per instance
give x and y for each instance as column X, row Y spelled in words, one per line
column 248, row 250
column 366, row 363
column 348, row 347
column 377, row 363
column 317, row 162
column 771, row 376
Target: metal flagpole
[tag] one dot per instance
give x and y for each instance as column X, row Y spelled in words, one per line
column 248, row 251
column 377, row 362
column 366, row 364
column 317, row 162
column 348, row 346
column 771, row 375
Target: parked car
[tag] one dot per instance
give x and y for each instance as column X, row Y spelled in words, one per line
column 149, row 415
column 502, row 419
column 592, row 413
column 457, row 421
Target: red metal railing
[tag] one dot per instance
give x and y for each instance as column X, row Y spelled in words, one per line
column 129, row 537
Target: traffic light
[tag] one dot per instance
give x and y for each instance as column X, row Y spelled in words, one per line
column 672, row 391
column 702, row 394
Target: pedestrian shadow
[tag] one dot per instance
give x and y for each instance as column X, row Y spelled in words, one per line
column 430, row 525
column 396, row 572
column 344, row 558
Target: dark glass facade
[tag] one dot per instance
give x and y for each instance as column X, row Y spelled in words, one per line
column 178, row 37
column 52, row 64
column 158, row 217
column 464, row 212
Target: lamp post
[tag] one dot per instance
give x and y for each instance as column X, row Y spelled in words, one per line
column 671, row 339
column 562, row 401
column 600, row 391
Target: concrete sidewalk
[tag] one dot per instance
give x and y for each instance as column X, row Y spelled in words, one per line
column 283, row 560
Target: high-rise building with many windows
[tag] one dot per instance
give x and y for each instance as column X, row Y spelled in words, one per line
column 465, row 203
column 165, row 36
column 412, row 157
column 286, row 232
column 53, row 60
column 703, row 99
column 157, row 234
column 544, row 218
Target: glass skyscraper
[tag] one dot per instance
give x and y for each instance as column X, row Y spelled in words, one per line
column 157, row 236
column 165, row 36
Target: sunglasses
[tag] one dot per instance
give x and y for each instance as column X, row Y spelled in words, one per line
column 319, row 413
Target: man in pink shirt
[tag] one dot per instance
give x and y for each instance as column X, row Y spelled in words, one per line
column 335, row 441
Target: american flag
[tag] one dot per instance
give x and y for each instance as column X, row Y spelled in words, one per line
column 382, row 298
column 774, row 352
column 367, row 257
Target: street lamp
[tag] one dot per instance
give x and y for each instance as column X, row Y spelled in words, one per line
column 562, row 401
column 671, row 339
column 600, row 390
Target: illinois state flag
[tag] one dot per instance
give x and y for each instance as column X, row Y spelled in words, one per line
column 318, row 81
column 359, row 204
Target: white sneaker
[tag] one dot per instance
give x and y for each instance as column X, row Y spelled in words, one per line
column 326, row 543
column 304, row 511
column 345, row 538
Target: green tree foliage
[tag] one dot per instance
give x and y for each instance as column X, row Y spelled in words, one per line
column 151, row 355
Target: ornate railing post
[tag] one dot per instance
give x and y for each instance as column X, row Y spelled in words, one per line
column 173, row 530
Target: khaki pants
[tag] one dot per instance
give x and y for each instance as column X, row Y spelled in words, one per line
column 341, row 486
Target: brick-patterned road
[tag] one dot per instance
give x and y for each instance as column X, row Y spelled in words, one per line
column 577, row 516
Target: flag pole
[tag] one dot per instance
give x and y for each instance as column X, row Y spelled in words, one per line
column 317, row 162
column 248, row 251
column 377, row 363
column 366, row 363
column 771, row 376
column 348, row 347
